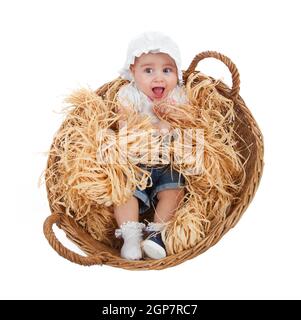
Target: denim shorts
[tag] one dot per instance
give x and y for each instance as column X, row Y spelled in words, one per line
column 163, row 178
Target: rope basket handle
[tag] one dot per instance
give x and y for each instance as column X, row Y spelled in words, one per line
column 63, row 251
column 231, row 66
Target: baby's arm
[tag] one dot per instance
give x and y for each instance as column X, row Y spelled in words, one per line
column 120, row 110
column 122, row 113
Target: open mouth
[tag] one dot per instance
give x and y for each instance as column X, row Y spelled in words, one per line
column 158, row 92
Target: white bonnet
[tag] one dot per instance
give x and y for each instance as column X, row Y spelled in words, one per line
column 150, row 42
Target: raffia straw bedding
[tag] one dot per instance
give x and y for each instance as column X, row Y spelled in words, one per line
column 88, row 189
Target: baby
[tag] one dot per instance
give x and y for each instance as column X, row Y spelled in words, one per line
column 153, row 68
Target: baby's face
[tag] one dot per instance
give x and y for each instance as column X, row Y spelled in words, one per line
column 155, row 74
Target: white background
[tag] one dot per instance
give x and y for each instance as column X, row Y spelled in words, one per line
column 49, row 48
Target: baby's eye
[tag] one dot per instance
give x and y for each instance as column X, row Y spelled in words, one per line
column 167, row 70
column 148, row 70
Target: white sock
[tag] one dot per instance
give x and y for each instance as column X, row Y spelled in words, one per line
column 131, row 232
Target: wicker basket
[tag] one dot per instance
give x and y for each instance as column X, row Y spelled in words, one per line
column 98, row 253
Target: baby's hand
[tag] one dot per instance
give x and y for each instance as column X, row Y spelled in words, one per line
column 163, row 109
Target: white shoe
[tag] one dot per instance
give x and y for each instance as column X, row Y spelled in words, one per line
column 131, row 232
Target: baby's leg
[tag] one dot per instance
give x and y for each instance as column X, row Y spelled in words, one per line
column 130, row 230
column 167, row 205
column 127, row 212
column 169, row 200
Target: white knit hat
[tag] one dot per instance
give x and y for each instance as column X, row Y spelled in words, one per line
column 150, row 42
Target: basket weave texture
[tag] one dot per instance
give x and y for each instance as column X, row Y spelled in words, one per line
column 99, row 253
